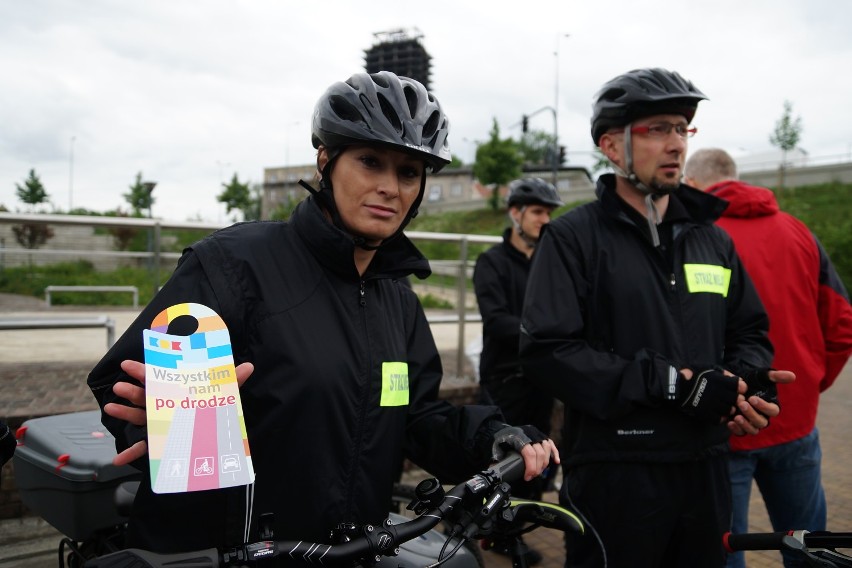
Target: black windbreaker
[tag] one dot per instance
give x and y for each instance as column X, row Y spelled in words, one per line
column 607, row 315
column 325, row 450
column 500, row 280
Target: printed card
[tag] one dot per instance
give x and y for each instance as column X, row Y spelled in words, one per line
column 196, row 431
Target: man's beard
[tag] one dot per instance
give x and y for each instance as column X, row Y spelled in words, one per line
column 663, row 187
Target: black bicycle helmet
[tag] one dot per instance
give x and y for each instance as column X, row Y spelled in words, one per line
column 382, row 108
column 532, row 190
column 639, row 93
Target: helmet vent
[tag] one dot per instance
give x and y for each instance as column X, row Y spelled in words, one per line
column 389, row 112
column 344, row 109
column 380, row 80
column 612, row 95
column 411, row 99
column 431, row 125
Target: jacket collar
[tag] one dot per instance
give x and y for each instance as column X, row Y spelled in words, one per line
column 510, row 248
column 335, row 250
column 700, row 207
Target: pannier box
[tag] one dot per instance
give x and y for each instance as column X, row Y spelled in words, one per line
column 64, row 471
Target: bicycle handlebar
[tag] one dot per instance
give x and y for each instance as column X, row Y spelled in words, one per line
column 818, row 547
column 783, row 540
column 372, row 542
column 758, row 541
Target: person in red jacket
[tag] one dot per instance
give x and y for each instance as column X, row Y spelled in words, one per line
column 810, row 326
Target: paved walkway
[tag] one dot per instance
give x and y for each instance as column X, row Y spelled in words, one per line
column 46, row 370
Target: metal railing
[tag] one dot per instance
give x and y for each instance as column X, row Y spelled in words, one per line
column 78, row 322
column 460, row 269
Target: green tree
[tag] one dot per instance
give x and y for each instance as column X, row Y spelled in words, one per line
column 786, row 136
column 283, row 211
column 141, row 195
column 455, row 162
column 237, row 196
column 498, row 161
column 32, row 192
column 32, row 235
column 537, row 148
column 253, row 213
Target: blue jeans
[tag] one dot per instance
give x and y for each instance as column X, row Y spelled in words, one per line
column 789, row 479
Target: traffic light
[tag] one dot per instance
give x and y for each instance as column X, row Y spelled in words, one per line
column 525, row 123
column 561, row 155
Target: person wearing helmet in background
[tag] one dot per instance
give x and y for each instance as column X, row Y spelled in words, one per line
column 499, row 280
column 317, row 318
column 640, row 317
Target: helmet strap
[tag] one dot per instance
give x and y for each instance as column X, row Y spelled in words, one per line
column 652, row 215
column 653, row 218
column 529, row 241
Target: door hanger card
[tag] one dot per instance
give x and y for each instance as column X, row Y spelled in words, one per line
column 196, row 430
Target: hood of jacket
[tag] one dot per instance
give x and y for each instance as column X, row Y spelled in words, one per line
column 744, row 200
column 335, row 249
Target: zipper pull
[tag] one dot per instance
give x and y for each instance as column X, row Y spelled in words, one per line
column 363, row 293
column 673, row 280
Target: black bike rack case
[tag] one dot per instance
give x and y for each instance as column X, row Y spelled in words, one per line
column 64, row 471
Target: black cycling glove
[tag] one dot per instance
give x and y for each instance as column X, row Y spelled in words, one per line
column 760, row 385
column 709, row 395
column 515, row 438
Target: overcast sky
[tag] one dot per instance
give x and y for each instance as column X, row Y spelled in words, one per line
column 190, row 92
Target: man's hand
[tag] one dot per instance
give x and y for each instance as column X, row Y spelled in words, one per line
column 755, row 412
column 709, row 395
column 533, row 445
column 136, row 414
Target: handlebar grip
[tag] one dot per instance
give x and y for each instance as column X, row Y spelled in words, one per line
column 755, row 541
column 511, row 468
column 144, row 559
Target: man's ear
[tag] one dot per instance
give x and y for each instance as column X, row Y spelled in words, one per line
column 322, row 160
column 609, row 144
column 515, row 214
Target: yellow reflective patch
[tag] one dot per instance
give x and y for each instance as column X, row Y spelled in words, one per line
column 394, row 384
column 707, row 278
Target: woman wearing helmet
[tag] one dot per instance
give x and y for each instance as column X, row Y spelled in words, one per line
column 387, row 114
column 641, row 326
column 344, row 369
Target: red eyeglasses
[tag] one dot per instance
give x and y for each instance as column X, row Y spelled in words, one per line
column 663, row 129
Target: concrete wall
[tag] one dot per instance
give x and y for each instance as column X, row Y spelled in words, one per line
column 798, row 176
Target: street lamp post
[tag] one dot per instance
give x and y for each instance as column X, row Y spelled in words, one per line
column 71, row 175
column 556, row 112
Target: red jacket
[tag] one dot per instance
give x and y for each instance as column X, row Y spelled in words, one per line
column 810, row 318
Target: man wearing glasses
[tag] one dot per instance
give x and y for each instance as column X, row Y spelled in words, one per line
column 639, row 316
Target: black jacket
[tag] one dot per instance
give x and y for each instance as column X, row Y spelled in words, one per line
column 7, row 443
column 325, row 450
column 500, row 280
column 607, row 315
